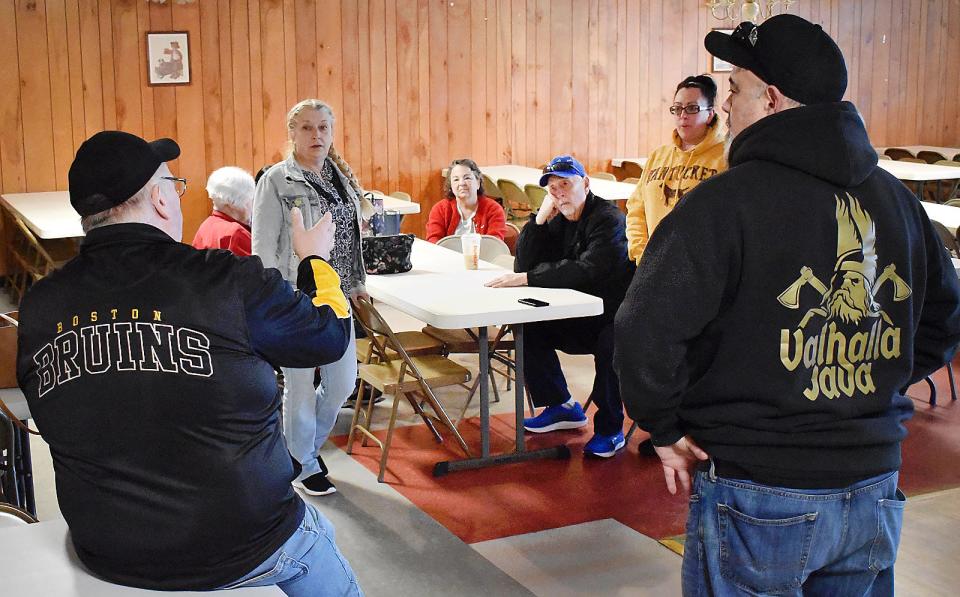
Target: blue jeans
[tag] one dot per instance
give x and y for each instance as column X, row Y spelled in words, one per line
column 309, row 415
column 544, row 376
column 746, row 538
column 307, row 565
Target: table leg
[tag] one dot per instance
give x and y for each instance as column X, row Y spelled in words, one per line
column 520, row 386
column 484, row 346
column 519, row 454
column 24, row 470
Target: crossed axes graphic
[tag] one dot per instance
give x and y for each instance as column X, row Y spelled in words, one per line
column 790, row 298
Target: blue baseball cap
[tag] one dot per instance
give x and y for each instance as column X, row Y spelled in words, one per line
column 563, row 166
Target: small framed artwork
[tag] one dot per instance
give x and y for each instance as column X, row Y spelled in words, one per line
column 716, row 64
column 168, row 57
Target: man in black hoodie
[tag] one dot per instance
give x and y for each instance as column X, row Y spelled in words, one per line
column 777, row 316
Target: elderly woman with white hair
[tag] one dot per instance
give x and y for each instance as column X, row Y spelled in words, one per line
column 228, row 227
column 315, row 179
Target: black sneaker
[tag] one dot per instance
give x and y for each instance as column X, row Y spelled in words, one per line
column 317, row 484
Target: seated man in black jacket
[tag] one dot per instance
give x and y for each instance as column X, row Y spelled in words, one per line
column 585, row 249
column 149, row 366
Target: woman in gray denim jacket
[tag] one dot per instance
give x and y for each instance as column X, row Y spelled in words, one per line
column 317, row 180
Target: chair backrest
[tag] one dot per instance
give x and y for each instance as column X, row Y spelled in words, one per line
column 951, row 163
column 535, row 194
column 912, row 160
column 931, row 157
column 956, row 158
column 512, row 193
column 952, row 202
column 898, row 153
column 884, row 156
column 10, row 515
column 948, row 238
column 510, row 235
column 451, row 242
column 492, row 247
column 382, row 338
column 490, row 188
column 602, row 176
column 401, row 195
column 631, row 180
column 505, row 261
column 632, row 169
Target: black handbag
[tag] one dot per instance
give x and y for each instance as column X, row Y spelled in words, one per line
column 387, row 254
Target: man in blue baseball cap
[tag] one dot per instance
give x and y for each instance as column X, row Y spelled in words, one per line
column 576, row 240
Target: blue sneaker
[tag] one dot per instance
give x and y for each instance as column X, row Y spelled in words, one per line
column 556, row 417
column 604, row 446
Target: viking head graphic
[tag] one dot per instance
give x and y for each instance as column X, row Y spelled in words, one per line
column 850, row 296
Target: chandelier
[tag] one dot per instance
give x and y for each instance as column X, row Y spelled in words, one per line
column 754, row 11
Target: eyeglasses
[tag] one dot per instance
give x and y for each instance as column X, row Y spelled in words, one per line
column 676, row 109
column 180, row 184
column 561, row 166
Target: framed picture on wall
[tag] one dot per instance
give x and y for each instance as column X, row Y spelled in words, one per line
column 168, row 57
column 717, row 65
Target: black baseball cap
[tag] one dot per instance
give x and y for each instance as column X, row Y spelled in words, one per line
column 787, row 51
column 111, row 166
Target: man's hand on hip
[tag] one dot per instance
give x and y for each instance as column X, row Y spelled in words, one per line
column 508, row 280
column 318, row 240
column 679, row 460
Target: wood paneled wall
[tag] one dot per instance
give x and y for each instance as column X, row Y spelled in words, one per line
column 415, row 83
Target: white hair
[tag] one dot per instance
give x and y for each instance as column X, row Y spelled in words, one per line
column 230, row 186
column 123, row 212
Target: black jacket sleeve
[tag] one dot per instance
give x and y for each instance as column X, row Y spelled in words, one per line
column 690, row 265
column 600, row 249
column 295, row 328
column 938, row 329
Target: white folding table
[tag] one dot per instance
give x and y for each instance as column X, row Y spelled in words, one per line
column 947, row 215
column 39, row 559
column 618, row 162
column 610, row 190
column 921, row 173
column 441, row 292
column 49, row 214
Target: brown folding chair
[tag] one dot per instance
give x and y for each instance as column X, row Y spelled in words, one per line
column 407, row 377
column 898, row 153
column 32, row 258
column 490, row 188
column 535, row 194
column 602, row 176
column 631, row 180
column 515, row 201
column 632, row 169
column 931, row 157
column 510, row 235
column 949, row 192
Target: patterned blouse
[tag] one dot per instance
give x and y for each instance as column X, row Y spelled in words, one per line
column 333, row 198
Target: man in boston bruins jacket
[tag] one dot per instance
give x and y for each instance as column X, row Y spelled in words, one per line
column 775, row 320
column 149, row 370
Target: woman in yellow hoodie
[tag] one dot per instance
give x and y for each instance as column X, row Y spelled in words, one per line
column 674, row 169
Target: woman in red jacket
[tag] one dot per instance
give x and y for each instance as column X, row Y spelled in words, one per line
column 464, row 204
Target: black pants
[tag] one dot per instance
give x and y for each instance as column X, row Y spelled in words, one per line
column 545, row 380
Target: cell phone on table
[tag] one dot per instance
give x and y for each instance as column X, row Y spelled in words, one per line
column 533, row 302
